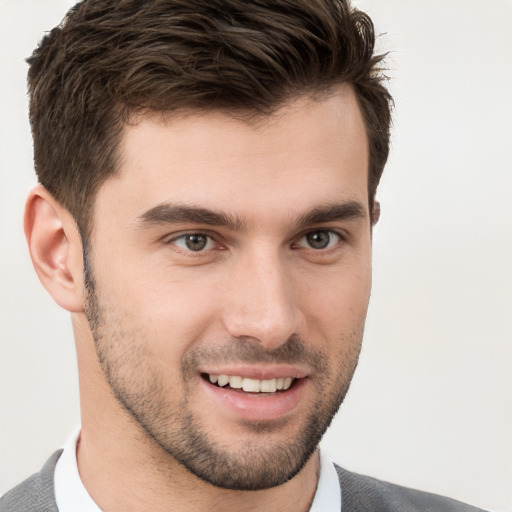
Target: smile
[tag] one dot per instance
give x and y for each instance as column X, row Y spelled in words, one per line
column 251, row 385
column 252, row 393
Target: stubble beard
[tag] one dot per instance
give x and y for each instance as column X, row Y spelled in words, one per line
column 140, row 390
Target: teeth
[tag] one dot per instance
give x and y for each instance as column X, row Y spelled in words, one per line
column 268, row 386
column 235, row 382
column 223, row 380
column 252, row 385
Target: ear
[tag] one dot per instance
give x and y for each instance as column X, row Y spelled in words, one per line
column 375, row 212
column 55, row 247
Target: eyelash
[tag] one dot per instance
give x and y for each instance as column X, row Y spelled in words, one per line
column 210, row 238
column 332, row 234
column 338, row 238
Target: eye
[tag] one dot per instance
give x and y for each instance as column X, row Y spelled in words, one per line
column 319, row 240
column 195, row 242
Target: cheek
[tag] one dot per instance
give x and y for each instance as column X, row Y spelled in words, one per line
column 337, row 300
column 173, row 311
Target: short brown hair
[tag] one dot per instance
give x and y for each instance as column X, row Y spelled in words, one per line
column 111, row 58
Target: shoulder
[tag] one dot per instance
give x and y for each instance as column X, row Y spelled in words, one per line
column 362, row 493
column 35, row 494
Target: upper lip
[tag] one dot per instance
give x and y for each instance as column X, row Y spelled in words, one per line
column 258, row 372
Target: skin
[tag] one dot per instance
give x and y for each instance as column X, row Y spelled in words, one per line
column 259, row 300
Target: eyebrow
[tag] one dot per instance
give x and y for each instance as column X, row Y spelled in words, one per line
column 351, row 210
column 172, row 214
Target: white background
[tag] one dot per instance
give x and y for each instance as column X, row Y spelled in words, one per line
column 431, row 403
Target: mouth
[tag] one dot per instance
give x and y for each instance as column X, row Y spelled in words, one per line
column 253, row 393
column 249, row 385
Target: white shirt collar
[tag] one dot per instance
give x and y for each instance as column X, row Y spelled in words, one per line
column 328, row 491
column 71, row 495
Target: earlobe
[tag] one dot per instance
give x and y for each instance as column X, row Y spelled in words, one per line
column 55, row 248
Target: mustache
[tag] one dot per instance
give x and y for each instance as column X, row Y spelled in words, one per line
column 246, row 350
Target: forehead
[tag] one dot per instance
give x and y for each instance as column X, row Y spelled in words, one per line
column 310, row 151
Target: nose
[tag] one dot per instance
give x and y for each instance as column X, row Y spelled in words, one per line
column 261, row 302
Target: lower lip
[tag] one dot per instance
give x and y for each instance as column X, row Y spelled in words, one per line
column 256, row 406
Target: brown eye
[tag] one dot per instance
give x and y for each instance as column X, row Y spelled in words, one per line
column 195, row 242
column 320, row 239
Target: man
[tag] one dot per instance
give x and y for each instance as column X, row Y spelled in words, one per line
column 207, row 175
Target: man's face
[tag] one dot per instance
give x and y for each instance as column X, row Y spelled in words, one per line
column 228, row 279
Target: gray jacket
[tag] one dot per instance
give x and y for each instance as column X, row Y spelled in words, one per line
column 359, row 494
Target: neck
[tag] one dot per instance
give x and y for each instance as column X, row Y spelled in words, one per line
column 122, row 476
